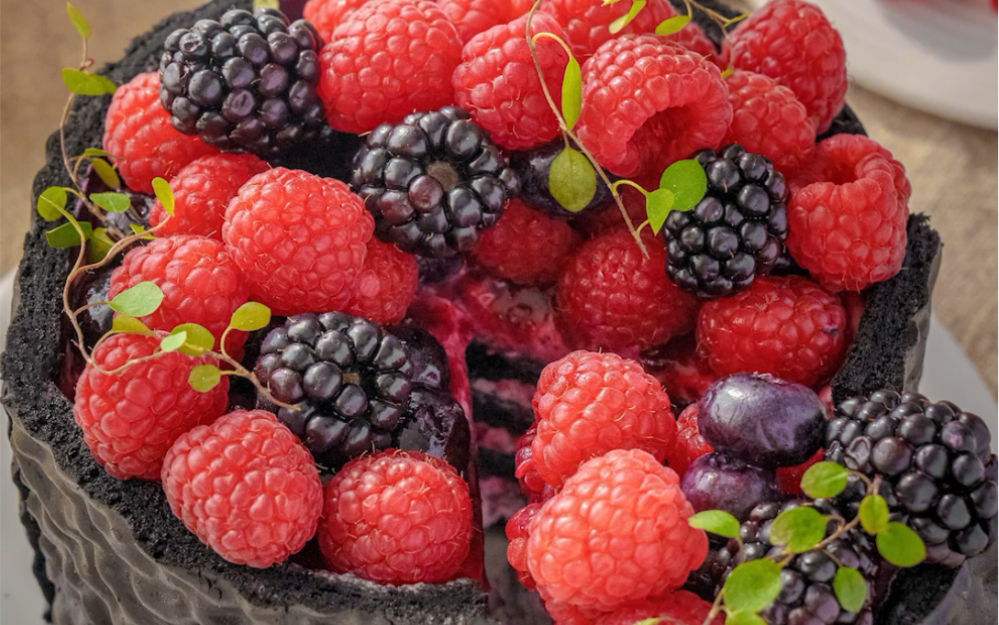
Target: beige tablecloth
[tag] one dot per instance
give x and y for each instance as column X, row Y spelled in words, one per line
column 953, row 168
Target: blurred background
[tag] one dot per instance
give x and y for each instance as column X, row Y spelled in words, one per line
column 891, row 46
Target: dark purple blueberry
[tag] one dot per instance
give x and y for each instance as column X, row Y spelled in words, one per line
column 438, row 428
column 532, row 167
column 715, row 481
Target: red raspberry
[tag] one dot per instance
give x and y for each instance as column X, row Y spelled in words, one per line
column 692, row 38
column 789, row 478
column 130, row 418
column 616, row 533
column 384, row 61
column 648, row 102
column 785, row 326
column 326, row 15
column 690, row 445
column 568, row 614
column 680, row 607
column 679, row 368
column 516, row 548
column 594, row 224
column 246, row 486
column 792, row 42
column 768, row 119
column 386, row 285
column 201, row 192
column 587, row 24
column 588, row 404
column 848, row 230
column 396, row 517
column 300, row 240
column 498, row 83
column 534, row 488
column 526, row 246
column 138, row 133
column 200, row 283
column 471, row 17
column 611, row 297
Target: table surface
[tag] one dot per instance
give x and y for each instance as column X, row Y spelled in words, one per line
column 953, row 167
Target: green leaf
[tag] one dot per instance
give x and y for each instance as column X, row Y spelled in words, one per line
column 850, row 588
column 82, row 83
column 688, row 182
column 743, row 617
column 658, row 204
column 164, row 194
column 204, row 378
column 900, row 545
column 571, row 180
column 727, row 72
column 266, row 4
column 672, row 25
column 618, row 25
column 99, row 245
column 798, row 529
column 715, row 521
column 95, row 152
column 173, row 342
column 250, row 316
column 752, row 586
column 137, row 229
column 824, row 479
column 49, row 201
column 67, row 236
column 79, row 22
column 106, row 172
column 111, row 202
column 127, row 324
column 873, row 514
column 199, row 339
column 572, row 92
column 140, row 300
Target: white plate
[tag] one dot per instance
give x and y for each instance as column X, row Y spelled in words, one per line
column 938, row 56
column 948, row 374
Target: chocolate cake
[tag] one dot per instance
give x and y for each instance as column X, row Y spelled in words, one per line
column 111, row 551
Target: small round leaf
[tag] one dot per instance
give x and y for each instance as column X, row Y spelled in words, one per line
column 688, row 182
column 618, row 25
column 798, row 529
column 717, row 522
column 140, row 300
column 204, row 378
column 250, row 316
column 199, row 339
column 106, row 172
column 50, row 201
column 82, row 83
column 173, row 342
column 824, row 479
column 111, row 202
column 752, row 586
column 95, row 152
column 266, row 4
column 672, row 25
column 728, row 71
column 127, row 324
column 873, row 514
column 658, row 204
column 78, row 21
column 67, row 234
column 850, row 588
column 572, row 92
column 571, row 180
column 164, row 194
column 900, row 545
column 99, row 245
column 744, row 617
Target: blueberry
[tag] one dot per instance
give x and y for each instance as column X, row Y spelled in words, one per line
column 715, row 481
column 532, row 168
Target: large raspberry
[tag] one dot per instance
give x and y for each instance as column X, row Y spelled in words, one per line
column 386, row 285
column 526, row 246
column 692, row 38
column 768, row 119
column 690, row 445
column 848, row 229
column 680, row 607
column 471, row 17
column 516, row 548
column 300, row 240
column 792, row 42
column 498, row 83
column 396, row 517
column 648, row 102
column 386, row 60
column 786, row 326
column 611, row 297
column 587, row 23
column 130, row 418
column 616, row 533
column 201, row 193
column 326, row 15
column 137, row 132
column 588, row 404
column 246, row 487
column 200, row 283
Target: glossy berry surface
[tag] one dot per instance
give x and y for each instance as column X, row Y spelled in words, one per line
column 762, row 420
column 433, row 182
column 246, row 82
column 718, row 482
column 735, row 232
column 517, row 532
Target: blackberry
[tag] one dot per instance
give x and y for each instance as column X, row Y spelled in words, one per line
column 246, row 82
column 735, row 232
column 532, row 167
column 432, row 182
column 937, row 472
column 356, row 385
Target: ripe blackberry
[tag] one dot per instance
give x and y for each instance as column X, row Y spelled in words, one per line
column 356, row 384
column 735, row 232
column 244, row 83
column 938, row 474
column 432, row 182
